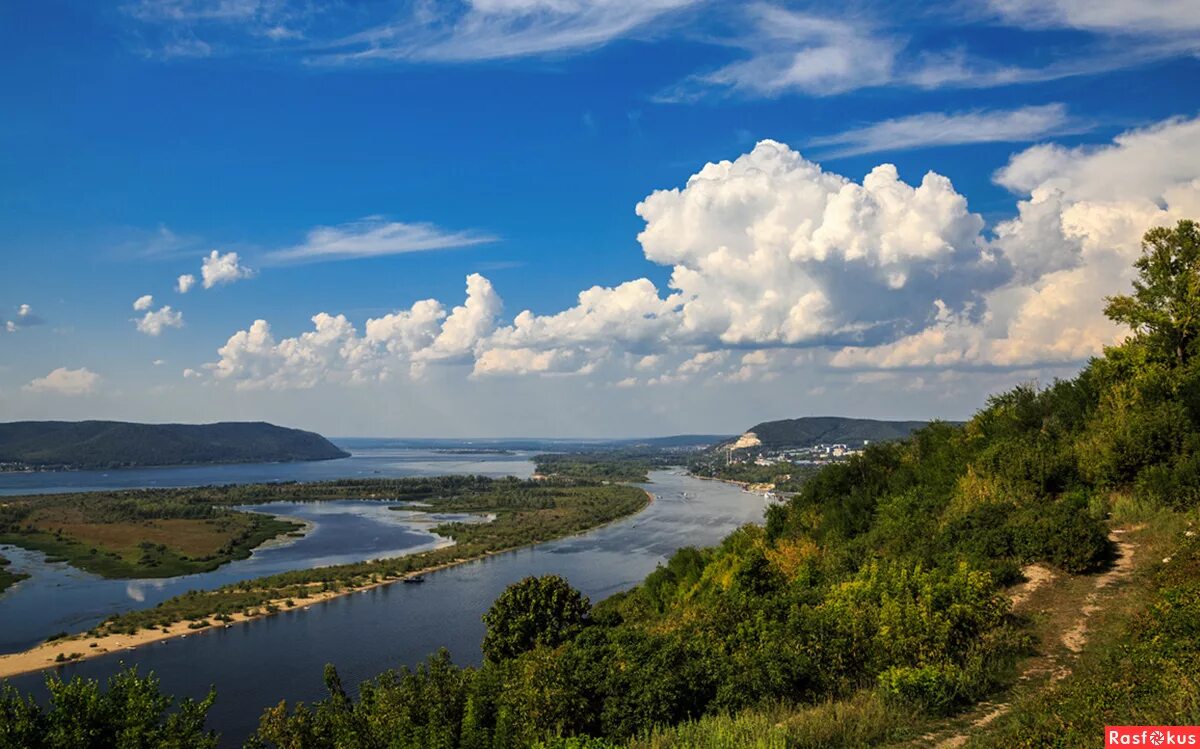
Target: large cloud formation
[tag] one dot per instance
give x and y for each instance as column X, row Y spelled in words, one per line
column 768, row 251
column 333, row 351
column 1074, row 241
column 775, row 261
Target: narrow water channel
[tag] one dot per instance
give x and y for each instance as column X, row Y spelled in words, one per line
column 255, row 665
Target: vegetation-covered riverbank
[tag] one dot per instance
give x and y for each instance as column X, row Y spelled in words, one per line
column 135, row 534
column 526, row 512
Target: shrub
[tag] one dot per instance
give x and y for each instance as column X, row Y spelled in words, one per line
column 934, row 688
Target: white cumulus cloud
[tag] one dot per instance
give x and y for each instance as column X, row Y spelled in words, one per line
column 184, row 283
column 777, row 264
column 769, row 249
column 334, row 351
column 154, row 322
column 143, row 303
column 225, row 268
column 63, row 381
column 1073, row 242
column 24, row 318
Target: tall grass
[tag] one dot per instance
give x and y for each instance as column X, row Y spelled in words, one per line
column 862, row 720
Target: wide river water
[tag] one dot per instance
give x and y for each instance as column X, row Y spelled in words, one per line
column 254, row 665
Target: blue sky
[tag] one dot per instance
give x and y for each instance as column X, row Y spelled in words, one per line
column 354, row 159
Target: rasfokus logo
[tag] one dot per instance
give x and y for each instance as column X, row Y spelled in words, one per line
column 1151, row 736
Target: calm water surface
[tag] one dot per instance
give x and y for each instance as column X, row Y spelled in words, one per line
column 61, row 598
column 368, row 459
column 281, row 657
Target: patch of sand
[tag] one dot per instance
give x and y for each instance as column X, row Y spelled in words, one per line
column 82, row 647
column 1036, row 575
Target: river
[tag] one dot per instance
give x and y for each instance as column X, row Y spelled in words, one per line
column 368, row 459
column 255, row 665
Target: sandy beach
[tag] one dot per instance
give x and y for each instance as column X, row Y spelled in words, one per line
column 83, row 647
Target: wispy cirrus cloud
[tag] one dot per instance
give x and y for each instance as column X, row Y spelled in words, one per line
column 790, row 51
column 440, row 30
column 787, row 52
column 784, row 49
column 1158, row 17
column 374, row 236
column 948, row 129
column 501, row 29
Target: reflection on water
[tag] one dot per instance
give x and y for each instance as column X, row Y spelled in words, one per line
column 136, row 589
column 60, row 598
column 281, row 657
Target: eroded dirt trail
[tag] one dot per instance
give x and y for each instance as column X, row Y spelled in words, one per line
column 1066, row 604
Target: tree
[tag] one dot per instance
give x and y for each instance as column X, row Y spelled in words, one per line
column 131, row 713
column 1165, row 305
column 536, row 611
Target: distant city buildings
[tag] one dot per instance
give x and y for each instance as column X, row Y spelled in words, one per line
column 820, row 454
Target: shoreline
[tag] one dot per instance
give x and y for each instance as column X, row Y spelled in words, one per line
column 82, row 647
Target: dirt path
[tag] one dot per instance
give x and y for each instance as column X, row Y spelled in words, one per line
column 1066, row 604
column 1076, row 637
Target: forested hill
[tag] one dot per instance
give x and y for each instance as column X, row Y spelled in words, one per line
column 815, row 430
column 113, row 444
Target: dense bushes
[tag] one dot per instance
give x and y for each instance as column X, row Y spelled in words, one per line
column 131, row 713
column 538, row 611
column 1147, row 672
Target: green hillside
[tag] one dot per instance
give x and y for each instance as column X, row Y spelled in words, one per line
column 814, row 430
column 115, row 444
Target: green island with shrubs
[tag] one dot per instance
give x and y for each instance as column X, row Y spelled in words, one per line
column 1020, row 580
column 135, row 534
column 526, row 512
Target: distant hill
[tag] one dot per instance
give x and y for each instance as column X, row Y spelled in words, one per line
column 814, row 430
column 117, row 444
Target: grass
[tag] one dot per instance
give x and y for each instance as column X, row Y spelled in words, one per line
column 862, row 720
column 1140, row 666
column 147, row 548
column 533, row 515
column 1142, row 662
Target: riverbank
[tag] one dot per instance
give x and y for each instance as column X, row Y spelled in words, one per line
column 115, row 537
column 292, row 597
column 7, row 578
